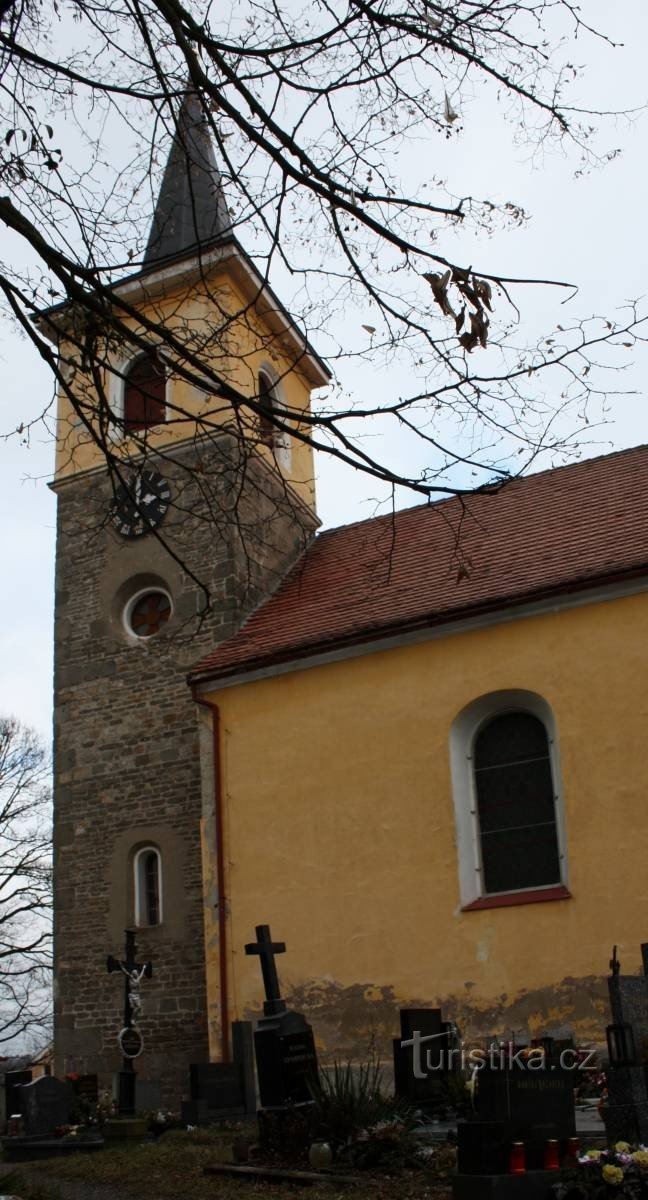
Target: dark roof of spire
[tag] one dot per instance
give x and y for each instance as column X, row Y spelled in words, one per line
column 191, row 211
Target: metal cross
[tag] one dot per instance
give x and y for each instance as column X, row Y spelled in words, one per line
column 127, row 1075
column 266, row 950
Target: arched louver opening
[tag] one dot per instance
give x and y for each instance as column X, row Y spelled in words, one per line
column 266, row 401
column 144, row 394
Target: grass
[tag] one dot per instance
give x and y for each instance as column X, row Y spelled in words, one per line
column 173, row 1168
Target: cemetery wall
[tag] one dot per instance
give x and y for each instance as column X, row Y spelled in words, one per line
column 340, row 829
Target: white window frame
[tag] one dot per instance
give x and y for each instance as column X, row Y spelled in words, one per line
column 139, row 882
column 281, row 441
column 464, row 731
column 116, row 385
column 130, row 605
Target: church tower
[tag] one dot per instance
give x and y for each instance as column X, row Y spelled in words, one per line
column 180, row 508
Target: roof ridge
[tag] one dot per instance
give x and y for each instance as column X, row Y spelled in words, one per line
column 483, row 489
column 581, row 526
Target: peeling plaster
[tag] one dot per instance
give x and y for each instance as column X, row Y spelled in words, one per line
column 348, row 1021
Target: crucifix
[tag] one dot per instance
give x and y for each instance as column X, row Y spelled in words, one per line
column 266, row 950
column 130, row 1039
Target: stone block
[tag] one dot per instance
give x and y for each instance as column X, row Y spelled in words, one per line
column 533, row 1185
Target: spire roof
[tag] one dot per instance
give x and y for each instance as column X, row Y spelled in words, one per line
column 191, row 211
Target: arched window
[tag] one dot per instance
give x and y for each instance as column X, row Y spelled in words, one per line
column 148, row 886
column 507, row 799
column 144, row 393
column 516, row 810
column 266, row 400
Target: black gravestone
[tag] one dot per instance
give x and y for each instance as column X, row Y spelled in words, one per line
column 518, row 1104
column 46, row 1104
column 283, row 1041
column 286, row 1059
column 425, row 1056
column 223, row 1089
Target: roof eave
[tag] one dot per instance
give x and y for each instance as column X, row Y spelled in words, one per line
column 155, row 281
column 398, row 628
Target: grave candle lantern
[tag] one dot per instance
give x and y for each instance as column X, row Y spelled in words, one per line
column 517, row 1159
column 551, row 1160
column 573, row 1150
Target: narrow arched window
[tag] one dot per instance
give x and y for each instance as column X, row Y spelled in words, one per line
column 148, row 887
column 266, row 402
column 144, row 393
column 515, row 802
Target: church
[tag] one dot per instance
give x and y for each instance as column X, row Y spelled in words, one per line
column 413, row 745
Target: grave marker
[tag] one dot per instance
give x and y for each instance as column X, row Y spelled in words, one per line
column 626, row 1113
column 283, row 1041
column 129, row 1038
column 520, row 1109
column 46, row 1104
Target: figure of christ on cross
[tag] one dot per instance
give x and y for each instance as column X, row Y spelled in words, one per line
column 133, row 973
column 266, row 950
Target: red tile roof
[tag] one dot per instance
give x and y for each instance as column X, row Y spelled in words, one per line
column 554, row 532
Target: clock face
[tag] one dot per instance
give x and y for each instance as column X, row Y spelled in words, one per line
column 140, row 503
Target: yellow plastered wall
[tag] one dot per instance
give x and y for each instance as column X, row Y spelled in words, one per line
column 340, row 827
column 227, row 332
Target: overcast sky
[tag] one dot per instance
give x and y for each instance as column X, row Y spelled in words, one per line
column 590, row 230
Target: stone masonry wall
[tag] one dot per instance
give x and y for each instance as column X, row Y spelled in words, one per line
column 126, row 743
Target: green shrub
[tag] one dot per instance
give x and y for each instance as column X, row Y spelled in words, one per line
column 359, row 1119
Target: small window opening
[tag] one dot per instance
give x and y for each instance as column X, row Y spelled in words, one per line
column 148, row 887
column 147, row 612
column 266, row 404
column 144, row 394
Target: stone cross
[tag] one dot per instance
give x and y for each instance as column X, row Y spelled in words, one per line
column 133, row 973
column 266, row 950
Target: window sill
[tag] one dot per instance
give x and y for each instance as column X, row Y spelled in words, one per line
column 506, row 899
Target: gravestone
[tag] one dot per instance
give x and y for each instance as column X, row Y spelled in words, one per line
column 46, row 1104
column 426, row 1056
column 148, row 1095
column 284, row 1046
column 626, row 1112
column 87, row 1088
column 516, row 1102
column 14, row 1080
column 223, row 1090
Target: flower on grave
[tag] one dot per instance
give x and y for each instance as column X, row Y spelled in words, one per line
column 640, row 1157
column 621, row 1147
column 612, row 1174
column 592, row 1155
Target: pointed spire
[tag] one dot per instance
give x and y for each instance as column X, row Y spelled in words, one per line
column 191, row 210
